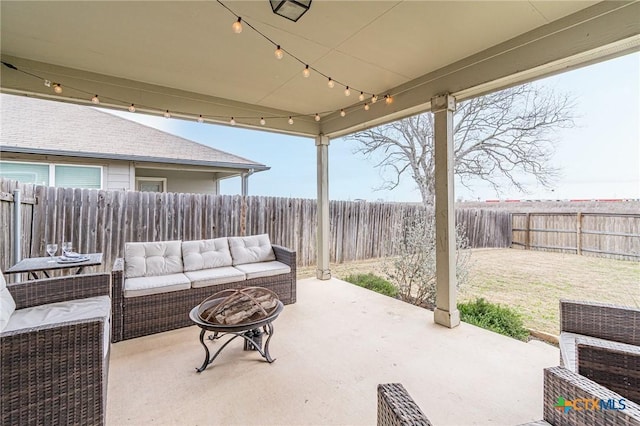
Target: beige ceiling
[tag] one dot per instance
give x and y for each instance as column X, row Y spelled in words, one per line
column 183, row 56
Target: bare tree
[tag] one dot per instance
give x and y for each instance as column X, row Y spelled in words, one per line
column 497, row 138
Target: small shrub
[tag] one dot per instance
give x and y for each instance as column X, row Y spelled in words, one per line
column 491, row 316
column 373, row 282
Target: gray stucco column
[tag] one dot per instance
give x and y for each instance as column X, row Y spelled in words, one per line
column 446, row 312
column 322, row 234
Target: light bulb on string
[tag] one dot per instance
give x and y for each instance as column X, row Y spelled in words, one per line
column 132, row 108
column 317, row 117
column 57, row 88
column 279, row 53
column 262, row 121
column 361, row 97
column 306, row 72
column 342, row 113
column 347, row 92
column 200, row 119
column 95, row 100
column 237, row 26
column 166, row 114
column 290, row 120
column 374, row 99
column 330, row 83
column 366, row 107
column 232, row 121
column 388, row 99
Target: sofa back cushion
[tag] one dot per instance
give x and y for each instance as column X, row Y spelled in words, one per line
column 7, row 304
column 205, row 254
column 152, row 259
column 252, row 249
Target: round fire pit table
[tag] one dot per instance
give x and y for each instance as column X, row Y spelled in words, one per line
column 249, row 331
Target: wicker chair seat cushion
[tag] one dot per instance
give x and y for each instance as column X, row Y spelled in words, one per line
column 251, row 249
column 215, row 276
column 206, row 254
column 61, row 312
column 7, row 304
column 153, row 258
column 145, row 286
column 567, row 342
column 264, row 269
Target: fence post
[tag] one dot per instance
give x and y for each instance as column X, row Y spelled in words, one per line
column 17, row 229
column 527, row 243
column 579, row 233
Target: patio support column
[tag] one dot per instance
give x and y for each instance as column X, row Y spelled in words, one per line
column 322, row 233
column 446, row 312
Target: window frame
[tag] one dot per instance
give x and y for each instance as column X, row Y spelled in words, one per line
column 52, row 169
column 152, row 179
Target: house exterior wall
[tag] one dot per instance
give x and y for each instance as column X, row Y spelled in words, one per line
column 183, row 181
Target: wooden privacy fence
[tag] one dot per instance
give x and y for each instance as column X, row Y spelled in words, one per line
column 615, row 235
column 103, row 221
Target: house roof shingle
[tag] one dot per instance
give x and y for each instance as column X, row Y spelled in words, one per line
column 54, row 128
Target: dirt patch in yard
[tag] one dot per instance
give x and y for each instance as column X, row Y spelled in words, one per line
column 532, row 282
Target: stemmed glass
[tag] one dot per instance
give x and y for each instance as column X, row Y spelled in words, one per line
column 66, row 247
column 51, row 250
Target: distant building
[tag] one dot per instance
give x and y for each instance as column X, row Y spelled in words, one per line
column 66, row 145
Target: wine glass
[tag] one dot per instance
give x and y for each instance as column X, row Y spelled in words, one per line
column 66, row 247
column 52, row 249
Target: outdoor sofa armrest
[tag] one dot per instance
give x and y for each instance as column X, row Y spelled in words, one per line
column 397, row 408
column 54, row 374
column 615, row 366
column 562, row 383
column 51, row 290
column 117, row 300
column 604, row 321
column 285, row 255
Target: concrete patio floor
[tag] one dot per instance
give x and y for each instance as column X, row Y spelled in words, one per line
column 333, row 347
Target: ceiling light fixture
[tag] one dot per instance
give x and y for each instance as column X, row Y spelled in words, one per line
column 317, row 117
column 166, row 114
column 132, row 108
column 366, row 107
column 290, row 120
column 95, row 100
column 342, row 113
column 200, row 119
column 279, row 53
column 330, row 83
column 290, row 9
column 361, row 97
column 306, row 72
column 262, row 121
column 57, row 88
column 232, row 121
column 374, row 99
column 347, row 92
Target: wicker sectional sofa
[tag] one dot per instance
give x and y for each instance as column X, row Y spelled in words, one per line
column 156, row 284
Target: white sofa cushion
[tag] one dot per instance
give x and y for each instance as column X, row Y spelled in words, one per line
column 7, row 304
column 264, row 269
column 252, row 249
column 209, row 277
column 152, row 259
column 144, row 286
column 60, row 312
column 205, row 254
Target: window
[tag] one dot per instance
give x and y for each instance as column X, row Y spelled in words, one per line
column 67, row 176
column 151, row 184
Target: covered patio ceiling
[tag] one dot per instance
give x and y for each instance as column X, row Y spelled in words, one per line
column 184, row 57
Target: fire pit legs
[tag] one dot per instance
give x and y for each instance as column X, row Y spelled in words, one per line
column 248, row 336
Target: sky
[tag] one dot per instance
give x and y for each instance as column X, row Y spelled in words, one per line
column 599, row 158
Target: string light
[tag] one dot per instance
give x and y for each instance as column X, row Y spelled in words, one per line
column 306, row 72
column 166, row 114
column 279, row 53
column 361, row 97
column 366, row 107
column 342, row 113
column 95, row 100
column 290, row 120
column 57, row 88
column 317, row 117
column 132, row 108
column 388, row 99
column 262, row 121
column 237, row 26
column 374, row 99
column 347, row 92
column 233, row 121
column 330, row 83
column 200, row 119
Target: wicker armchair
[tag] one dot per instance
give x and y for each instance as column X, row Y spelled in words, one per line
column 562, row 383
column 56, row 373
column 397, row 408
